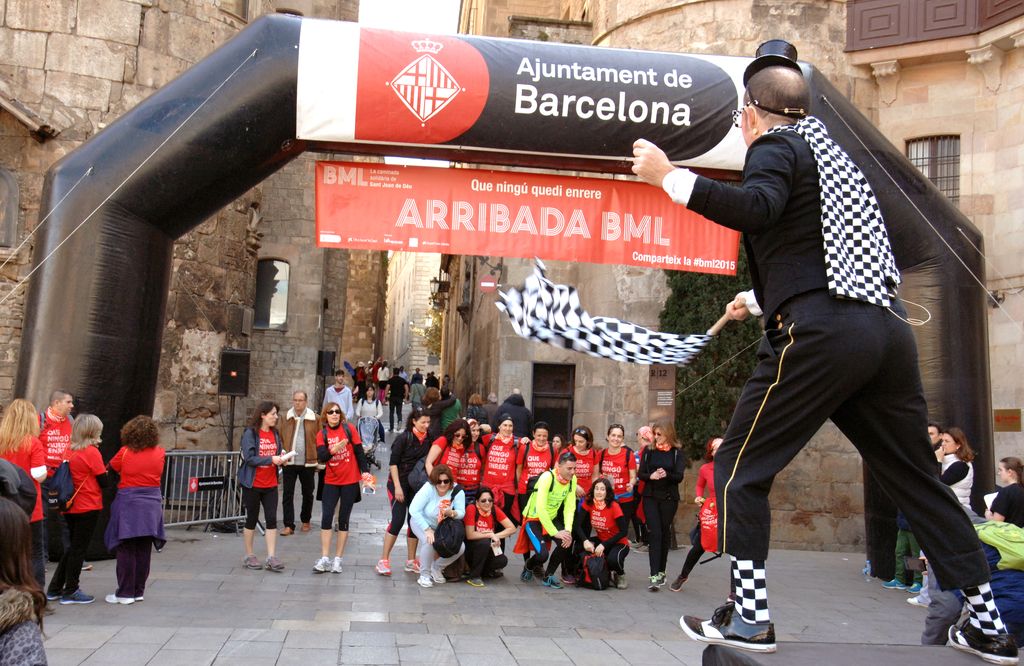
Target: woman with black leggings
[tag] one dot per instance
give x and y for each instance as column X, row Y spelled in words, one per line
column 339, row 447
column 661, row 470
column 602, row 528
column 261, row 458
column 410, row 446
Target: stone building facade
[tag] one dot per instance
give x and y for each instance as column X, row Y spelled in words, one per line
column 967, row 85
column 408, row 304
column 67, row 69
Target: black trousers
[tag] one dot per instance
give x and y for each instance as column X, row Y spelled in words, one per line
column 539, row 555
column 307, row 478
column 253, row 499
column 659, row 514
column 65, row 578
column 394, row 414
column 856, row 364
column 481, row 559
column 38, row 556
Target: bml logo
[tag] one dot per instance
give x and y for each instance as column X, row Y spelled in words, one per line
column 425, row 86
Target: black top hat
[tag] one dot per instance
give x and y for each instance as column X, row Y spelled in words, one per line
column 773, row 53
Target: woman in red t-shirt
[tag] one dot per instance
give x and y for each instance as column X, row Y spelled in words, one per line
column 484, row 542
column 136, row 517
column 706, row 500
column 89, row 475
column 261, row 459
column 618, row 464
column 586, row 457
column 500, row 465
column 450, row 449
column 20, row 445
column 339, row 447
column 535, row 457
column 602, row 529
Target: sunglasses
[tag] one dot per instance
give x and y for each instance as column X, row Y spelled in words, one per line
column 334, row 411
column 443, row 482
column 484, row 501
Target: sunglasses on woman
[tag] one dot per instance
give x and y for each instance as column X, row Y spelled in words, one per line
column 484, row 501
column 444, row 482
column 334, row 411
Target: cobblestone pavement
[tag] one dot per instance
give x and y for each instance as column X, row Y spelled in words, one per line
column 203, row 607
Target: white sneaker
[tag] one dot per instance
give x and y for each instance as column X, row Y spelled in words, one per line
column 438, row 576
column 114, row 599
column 323, row 565
column 916, row 601
column 425, row 581
column 336, row 566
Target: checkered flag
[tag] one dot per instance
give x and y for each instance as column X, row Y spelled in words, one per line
column 551, row 313
column 858, row 259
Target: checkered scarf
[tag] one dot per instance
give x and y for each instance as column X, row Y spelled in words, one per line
column 858, row 258
column 551, row 313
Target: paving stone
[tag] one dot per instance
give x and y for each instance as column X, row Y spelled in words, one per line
column 368, row 654
column 56, row 656
column 167, row 657
column 145, row 635
column 240, row 649
column 198, row 639
column 123, row 654
column 368, row 639
column 307, row 657
column 313, row 639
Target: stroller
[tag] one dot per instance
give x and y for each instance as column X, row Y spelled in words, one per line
column 370, row 430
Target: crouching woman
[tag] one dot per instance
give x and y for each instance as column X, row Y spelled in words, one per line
column 483, row 539
column 434, row 502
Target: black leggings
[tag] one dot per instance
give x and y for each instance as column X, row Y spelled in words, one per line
column 399, row 513
column 691, row 558
column 347, row 496
column 481, row 559
column 537, row 539
column 659, row 514
column 616, row 557
column 252, row 498
column 65, row 578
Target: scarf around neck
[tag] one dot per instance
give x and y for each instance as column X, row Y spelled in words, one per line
column 859, row 263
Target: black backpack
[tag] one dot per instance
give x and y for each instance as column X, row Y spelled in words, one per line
column 59, row 490
column 450, row 533
column 17, row 486
column 594, row 573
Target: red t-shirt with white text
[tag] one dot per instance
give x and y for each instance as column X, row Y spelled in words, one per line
column 484, row 523
column 56, row 437
column 342, row 468
column 30, row 454
column 143, row 469
column 604, row 521
column 500, row 471
column 266, row 475
column 584, row 467
column 534, row 463
column 86, row 464
column 616, row 468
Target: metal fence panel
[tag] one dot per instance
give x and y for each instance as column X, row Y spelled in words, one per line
column 201, row 487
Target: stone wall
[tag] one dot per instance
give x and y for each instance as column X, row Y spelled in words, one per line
column 408, row 300
column 364, row 307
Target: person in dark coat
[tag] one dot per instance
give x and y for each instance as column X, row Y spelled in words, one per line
column 522, row 418
column 837, row 346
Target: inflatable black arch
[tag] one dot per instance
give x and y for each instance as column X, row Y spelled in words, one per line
column 95, row 310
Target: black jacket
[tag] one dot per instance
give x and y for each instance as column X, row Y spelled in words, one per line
column 778, row 209
column 522, row 419
column 672, row 461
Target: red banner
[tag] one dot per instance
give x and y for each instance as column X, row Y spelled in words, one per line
column 513, row 214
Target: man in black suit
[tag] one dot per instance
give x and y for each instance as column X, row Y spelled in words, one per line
column 836, row 345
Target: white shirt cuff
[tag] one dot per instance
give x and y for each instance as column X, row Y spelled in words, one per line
column 678, row 184
column 751, row 300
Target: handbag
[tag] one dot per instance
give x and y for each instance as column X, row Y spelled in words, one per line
column 450, row 533
column 708, row 518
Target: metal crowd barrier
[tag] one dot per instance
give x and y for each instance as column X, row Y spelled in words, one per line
column 201, row 488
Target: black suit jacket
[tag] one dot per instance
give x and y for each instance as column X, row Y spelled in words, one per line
column 777, row 207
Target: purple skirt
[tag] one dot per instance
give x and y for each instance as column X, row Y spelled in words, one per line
column 136, row 512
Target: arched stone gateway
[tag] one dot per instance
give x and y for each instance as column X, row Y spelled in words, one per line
column 95, row 308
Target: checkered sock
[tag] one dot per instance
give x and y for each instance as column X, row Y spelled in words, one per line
column 748, row 582
column 983, row 612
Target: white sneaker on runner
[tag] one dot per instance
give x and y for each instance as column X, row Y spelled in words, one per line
column 323, row 565
column 336, row 565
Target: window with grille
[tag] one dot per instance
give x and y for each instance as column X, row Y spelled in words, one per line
column 271, row 308
column 938, row 158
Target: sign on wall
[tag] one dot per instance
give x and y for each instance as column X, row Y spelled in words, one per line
column 363, row 85
column 512, row 214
